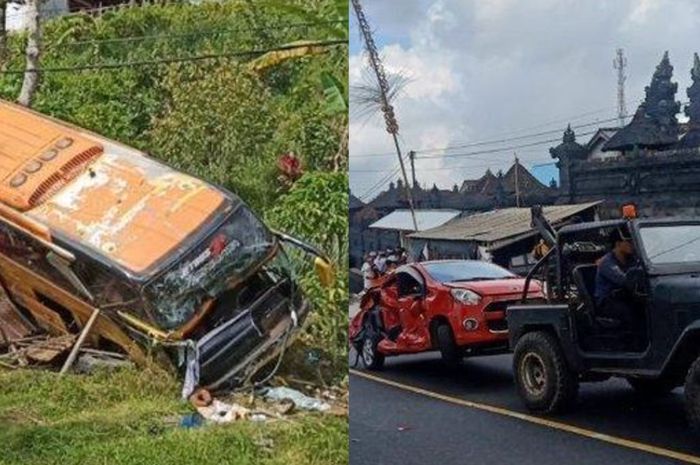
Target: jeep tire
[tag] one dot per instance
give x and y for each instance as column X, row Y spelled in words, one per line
column 544, row 381
column 692, row 396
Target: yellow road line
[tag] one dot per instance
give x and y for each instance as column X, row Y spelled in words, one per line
column 628, row 443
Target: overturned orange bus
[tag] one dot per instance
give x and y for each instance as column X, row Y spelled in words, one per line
column 170, row 260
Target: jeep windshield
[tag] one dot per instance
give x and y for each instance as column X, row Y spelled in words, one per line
column 230, row 252
column 671, row 244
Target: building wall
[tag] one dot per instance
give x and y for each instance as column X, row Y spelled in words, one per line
column 596, row 153
column 659, row 183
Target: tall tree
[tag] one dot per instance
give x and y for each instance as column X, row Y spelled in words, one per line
column 33, row 51
column 3, row 32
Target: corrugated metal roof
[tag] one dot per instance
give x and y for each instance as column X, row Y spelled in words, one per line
column 498, row 225
column 400, row 220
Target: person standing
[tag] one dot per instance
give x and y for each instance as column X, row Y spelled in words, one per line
column 380, row 262
column 368, row 270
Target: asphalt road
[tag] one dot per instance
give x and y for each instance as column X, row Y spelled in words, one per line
column 391, row 424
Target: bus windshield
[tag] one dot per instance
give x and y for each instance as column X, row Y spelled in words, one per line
column 228, row 253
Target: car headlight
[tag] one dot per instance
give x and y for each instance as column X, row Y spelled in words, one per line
column 465, row 296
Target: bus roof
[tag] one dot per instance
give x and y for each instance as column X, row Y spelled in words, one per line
column 110, row 198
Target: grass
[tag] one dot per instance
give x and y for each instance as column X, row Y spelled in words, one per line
column 131, row 417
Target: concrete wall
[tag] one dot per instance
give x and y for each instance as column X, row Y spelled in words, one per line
column 660, row 183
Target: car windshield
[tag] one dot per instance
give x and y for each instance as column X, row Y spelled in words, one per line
column 446, row 272
column 230, row 251
column 665, row 244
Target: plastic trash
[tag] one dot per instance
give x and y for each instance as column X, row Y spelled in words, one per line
column 300, row 400
column 191, row 420
column 221, row 412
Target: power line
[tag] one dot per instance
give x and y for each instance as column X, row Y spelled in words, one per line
column 515, row 131
column 377, row 186
column 380, row 183
column 541, row 161
column 526, row 136
column 500, row 149
column 240, row 53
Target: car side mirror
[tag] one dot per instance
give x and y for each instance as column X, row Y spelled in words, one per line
column 63, row 266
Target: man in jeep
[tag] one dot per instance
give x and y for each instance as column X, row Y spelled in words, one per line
column 611, row 294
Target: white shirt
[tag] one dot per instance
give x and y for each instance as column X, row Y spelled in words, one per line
column 367, row 274
column 380, row 263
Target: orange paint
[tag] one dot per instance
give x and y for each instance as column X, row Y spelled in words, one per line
column 113, row 199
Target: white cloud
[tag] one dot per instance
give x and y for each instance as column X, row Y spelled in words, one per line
column 491, row 69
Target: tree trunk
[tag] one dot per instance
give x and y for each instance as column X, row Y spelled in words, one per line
column 31, row 73
column 3, row 32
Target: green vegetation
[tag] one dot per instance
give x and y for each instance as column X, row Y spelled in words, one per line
column 132, row 417
column 316, row 207
column 216, row 117
column 227, row 120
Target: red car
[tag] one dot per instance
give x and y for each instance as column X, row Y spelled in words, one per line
column 456, row 306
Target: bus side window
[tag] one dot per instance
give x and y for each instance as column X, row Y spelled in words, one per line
column 105, row 286
column 30, row 253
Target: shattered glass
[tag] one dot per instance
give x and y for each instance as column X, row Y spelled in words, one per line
column 242, row 242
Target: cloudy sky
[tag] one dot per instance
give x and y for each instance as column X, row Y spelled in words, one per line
column 485, row 70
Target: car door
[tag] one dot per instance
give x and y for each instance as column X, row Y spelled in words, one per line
column 390, row 303
column 411, row 292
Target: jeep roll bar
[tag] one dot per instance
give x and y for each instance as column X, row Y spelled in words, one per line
column 540, row 223
column 532, row 272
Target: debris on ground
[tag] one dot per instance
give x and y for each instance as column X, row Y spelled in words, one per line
column 222, row 412
column 299, row 399
column 92, row 360
column 51, row 351
column 12, row 325
column 47, row 351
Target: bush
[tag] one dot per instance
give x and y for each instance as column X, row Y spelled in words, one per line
column 215, row 118
column 316, row 208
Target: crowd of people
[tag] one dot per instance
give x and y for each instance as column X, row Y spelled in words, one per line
column 380, row 263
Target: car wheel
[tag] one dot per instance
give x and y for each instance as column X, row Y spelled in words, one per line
column 449, row 350
column 692, row 396
column 652, row 387
column 371, row 357
column 544, row 380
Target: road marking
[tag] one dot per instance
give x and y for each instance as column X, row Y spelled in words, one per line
column 628, row 443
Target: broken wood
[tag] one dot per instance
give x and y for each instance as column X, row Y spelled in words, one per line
column 13, row 325
column 83, row 334
column 47, row 351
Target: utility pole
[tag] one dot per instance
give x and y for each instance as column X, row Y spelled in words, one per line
column 392, row 126
column 517, row 184
column 620, row 63
column 412, row 156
